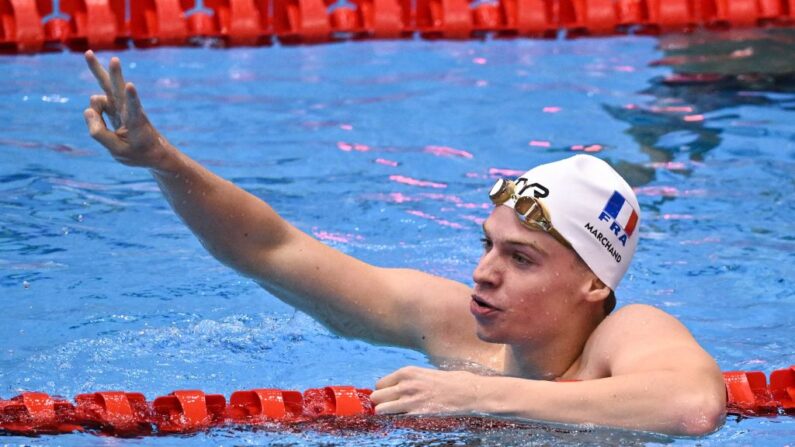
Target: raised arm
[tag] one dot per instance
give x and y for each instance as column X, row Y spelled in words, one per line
column 355, row 299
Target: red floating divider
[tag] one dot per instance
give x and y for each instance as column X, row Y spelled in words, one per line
column 670, row 15
column 260, row 405
column 21, row 30
column 532, row 18
column 773, row 11
column 726, row 13
column 115, row 412
column 782, row 386
column 159, row 22
column 741, row 13
column 96, row 24
column 120, row 413
column 384, row 19
column 37, row 413
column 239, row 22
column 100, row 24
column 488, row 16
column 449, row 19
column 346, row 19
column 301, row 21
column 597, row 17
column 56, row 29
column 337, row 401
column 747, row 393
column 187, row 411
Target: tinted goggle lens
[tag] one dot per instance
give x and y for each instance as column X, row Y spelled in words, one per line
column 501, row 191
column 529, row 209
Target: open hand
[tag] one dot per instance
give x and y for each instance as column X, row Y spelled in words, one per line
column 133, row 142
column 414, row 390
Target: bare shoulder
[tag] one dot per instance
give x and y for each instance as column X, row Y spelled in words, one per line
column 640, row 337
column 437, row 310
column 639, row 320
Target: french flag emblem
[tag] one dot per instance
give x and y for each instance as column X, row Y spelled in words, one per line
column 622, row 213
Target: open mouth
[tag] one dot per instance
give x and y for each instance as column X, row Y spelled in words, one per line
column 480, row 302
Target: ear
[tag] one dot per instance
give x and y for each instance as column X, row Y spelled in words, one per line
column 596, row 290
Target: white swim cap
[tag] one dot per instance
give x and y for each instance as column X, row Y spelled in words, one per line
column 591, row 206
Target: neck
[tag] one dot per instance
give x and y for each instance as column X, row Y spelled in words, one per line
column 554, row 357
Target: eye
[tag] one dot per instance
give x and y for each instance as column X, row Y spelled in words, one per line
column 486, row 243
column 520, row 258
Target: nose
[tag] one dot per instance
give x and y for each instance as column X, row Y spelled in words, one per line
column 487, row 272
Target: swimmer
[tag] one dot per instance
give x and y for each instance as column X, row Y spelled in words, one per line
column 555, row 246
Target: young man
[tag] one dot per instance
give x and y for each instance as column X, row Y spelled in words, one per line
column 555, row 247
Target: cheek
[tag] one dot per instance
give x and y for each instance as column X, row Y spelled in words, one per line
column 539, row 296
column 527, row 301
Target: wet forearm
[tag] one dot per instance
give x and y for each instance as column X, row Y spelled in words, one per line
column 657, row 401
column 234, row 225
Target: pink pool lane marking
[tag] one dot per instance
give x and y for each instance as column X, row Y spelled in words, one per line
column 706, row 240
column 392, row 197
column 694, row 118
column 500, row 172
column 335, row 237
column 397, row 197
column 444, row 222
column 669, row 165
column 478, row 220
column 668, row 191
column 385, row 162
column 455, row 200
column 672, row 109
column 348, row 147
column 685, row 109
column 446, row 151
column 415, row 182
column 589, row 148
column 539, row 143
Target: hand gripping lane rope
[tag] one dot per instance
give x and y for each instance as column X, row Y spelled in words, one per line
column 119, row 413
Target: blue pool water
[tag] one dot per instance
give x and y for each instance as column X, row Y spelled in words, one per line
column 385, row 150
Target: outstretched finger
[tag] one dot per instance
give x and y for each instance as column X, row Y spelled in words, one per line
column 99, row 73
column 135, row 111
column 117, row 85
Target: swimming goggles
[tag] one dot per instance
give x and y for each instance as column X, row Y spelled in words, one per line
column 529, row 210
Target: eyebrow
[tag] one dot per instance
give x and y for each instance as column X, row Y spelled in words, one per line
column 531, row 244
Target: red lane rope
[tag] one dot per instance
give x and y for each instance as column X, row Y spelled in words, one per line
column 102, row 24
column 120, row 413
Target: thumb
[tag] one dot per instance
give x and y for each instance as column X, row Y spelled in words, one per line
column 99, row 130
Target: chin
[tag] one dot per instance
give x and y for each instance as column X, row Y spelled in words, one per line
column 489, row 337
